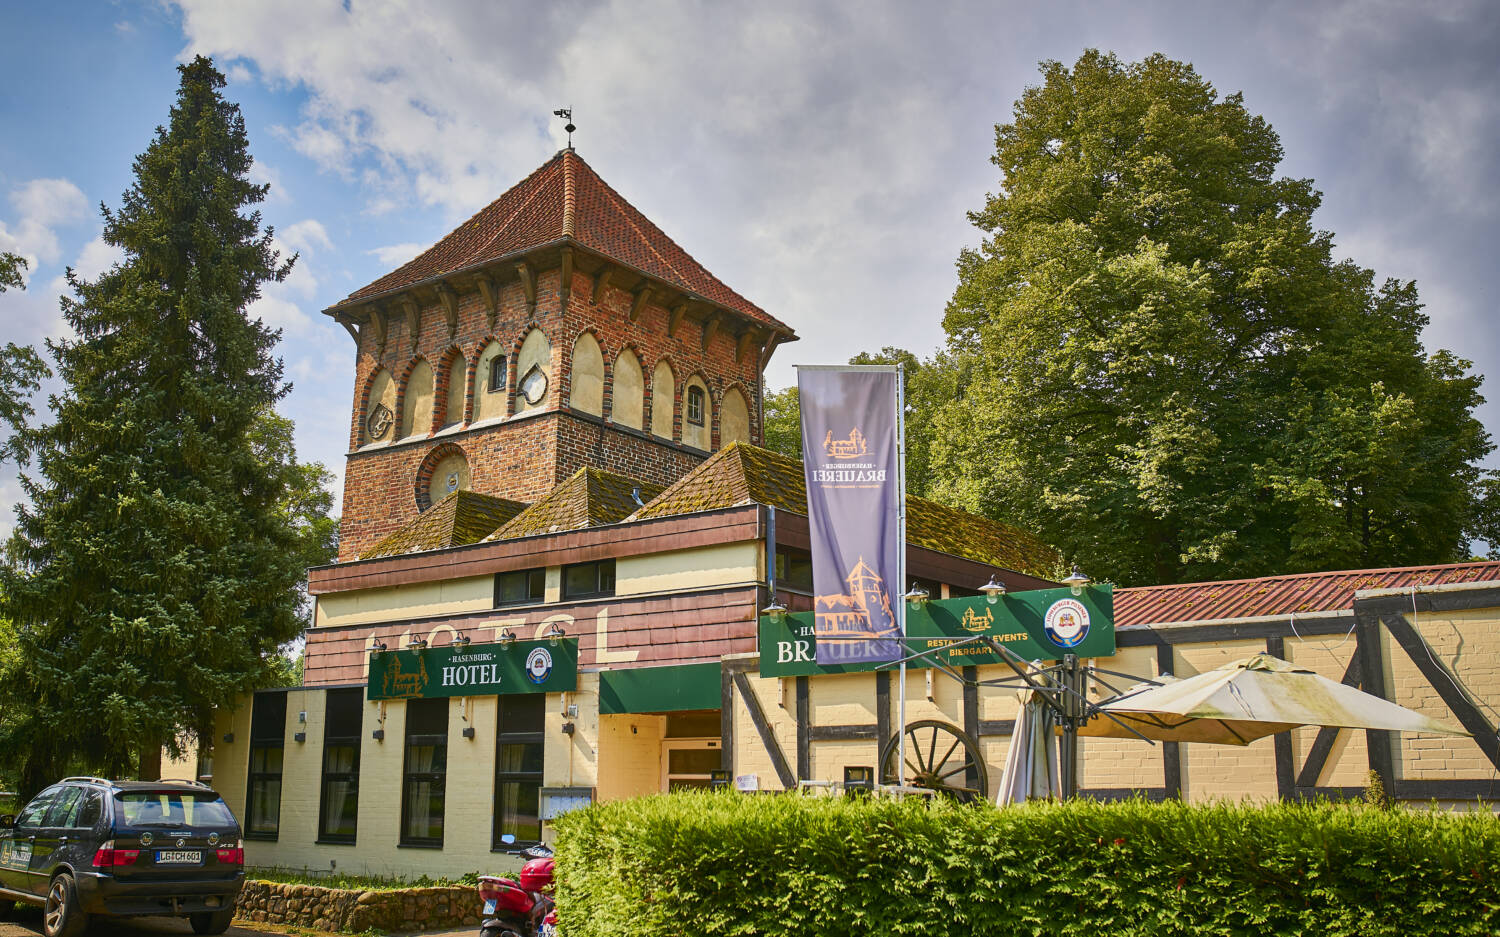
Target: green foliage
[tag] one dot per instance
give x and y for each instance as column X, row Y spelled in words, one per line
column 722, row 864
column 159, row 561
column 1157, row 363
column 783, row 422
column 11, row 266
column 289, row 876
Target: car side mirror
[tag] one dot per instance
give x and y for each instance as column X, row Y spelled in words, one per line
column 7, row 821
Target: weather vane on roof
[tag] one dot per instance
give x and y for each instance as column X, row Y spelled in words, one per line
column 566, row 113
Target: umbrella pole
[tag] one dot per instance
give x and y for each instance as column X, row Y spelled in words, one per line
column 1073, row 716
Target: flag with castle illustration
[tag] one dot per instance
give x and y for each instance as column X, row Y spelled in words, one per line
column 851, row 454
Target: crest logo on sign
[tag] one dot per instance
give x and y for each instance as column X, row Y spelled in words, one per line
column 1066, row 623
column 538, row 665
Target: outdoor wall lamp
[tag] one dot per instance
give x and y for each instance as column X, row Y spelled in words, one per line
column 555, row 633
column 775, row 611
column 468, row 732
column 917, row 596
column 228, row 738
column 461, row 639
column 1076, row 581
column 506, row 636
column 378, row 647
column 378, row 735
column 300, row 737
column 417, row 643
column 993, row 589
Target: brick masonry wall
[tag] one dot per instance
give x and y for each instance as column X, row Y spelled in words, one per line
column 523, row 458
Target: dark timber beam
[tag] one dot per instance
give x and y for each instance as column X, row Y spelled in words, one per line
column 638, row 304
column 804, row 735
column 349, row 327
column 601, row 283
column 763, row 729
column 413, row 320
column 565, row 281
column 711, row 327
column 1282, row 741
column 882, row 716
column 679, row 312
column 378, row 322
column 1367, row 649
column 971, row 719
column 448, row 296
column 1322, row 746
column 1171, row 752
column 746, row 342
column 490, row 291
column 527, row 273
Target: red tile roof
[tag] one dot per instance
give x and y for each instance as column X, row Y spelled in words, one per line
column 565, row 198
column 1280, row 595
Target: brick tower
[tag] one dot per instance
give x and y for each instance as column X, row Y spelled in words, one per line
column 557, row 328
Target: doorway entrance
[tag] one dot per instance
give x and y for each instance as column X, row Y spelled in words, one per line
column 690, row 750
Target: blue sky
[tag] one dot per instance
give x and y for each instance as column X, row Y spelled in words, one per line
column 819, row 158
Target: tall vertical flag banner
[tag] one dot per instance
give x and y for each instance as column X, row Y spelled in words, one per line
column 851, row 452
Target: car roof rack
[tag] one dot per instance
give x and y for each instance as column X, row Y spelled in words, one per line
column 183, row 781
column 90, row 780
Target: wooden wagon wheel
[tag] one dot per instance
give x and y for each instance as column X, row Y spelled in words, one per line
column 939, row 756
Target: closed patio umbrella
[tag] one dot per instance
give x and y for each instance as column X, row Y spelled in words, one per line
column 1031, row 762
column 1249, row 699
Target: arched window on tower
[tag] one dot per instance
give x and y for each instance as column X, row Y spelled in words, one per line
column 734, row 418
column 380, row 410
column 663, row 399
column 490, row 383
column 586, row 391
column 628, row 392
column 416, row 401
column 695, row 428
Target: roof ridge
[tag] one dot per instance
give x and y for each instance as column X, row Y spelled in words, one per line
column 1282, row 577
column 570, row 200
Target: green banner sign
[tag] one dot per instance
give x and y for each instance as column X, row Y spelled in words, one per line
column 1043, row 624
column 475, row 670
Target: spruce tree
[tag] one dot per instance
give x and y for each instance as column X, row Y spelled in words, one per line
column 157, row 568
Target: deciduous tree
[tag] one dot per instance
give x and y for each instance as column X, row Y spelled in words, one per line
column 1167, row 372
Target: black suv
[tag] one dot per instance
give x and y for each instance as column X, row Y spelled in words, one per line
column 86, row 846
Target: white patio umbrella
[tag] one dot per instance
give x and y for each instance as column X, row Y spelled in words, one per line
column 1031, row 762
column 1249, row 699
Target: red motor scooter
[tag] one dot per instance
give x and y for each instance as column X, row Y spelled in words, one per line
column 522, row 906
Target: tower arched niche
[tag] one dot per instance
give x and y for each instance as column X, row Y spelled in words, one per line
column 533, row 372
column 586, row 376
column 377, row 421
column 628, row 391
column 416, row 400
column 491, row 381
column 734, row 418
column 455, row 386
column 663, row 399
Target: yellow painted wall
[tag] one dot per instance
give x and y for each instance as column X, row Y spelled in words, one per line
column 452, row 469
column 382, row 392
column 663, row 393
column 458, row 382
column 687, row 569
column 734, row 418
column 536, row 351
column 586, row 389
column 399, row 603
column 416, row 401
column 630, row 755
column 489, row 402
column 573, row 761
column 627, row 396
column 1467, row 645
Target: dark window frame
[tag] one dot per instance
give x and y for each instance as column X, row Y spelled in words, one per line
column 438, row 778
column 784, row 558
column 499, row 368
column 510, row 736
column 339, row 734
column 537, row 572
column 262, row 739
column 599, row 591
column 701, row 395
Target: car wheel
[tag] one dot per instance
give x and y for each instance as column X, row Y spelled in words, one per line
column 211, row 922
column 61, row 916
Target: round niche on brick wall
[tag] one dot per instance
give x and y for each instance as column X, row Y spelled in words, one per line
column 444, row 471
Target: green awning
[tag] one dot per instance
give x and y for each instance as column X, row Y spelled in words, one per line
column 659, row 689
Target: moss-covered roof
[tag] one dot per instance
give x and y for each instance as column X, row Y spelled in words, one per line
column 744, row 474
column 462, row 517
column 590, row 497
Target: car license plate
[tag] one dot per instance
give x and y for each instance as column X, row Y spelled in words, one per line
column 178, row 857
column 489, row 906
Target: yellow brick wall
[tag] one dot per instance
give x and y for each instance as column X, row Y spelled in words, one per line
column 1107, row 763
column 1467, row 645
column 1348, row 764
column 629, row 755
column 750, row 754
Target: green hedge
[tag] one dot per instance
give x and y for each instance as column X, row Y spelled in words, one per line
column 709, row 864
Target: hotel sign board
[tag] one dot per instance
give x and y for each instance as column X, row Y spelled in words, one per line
column 474, row 670
column 1042, row 624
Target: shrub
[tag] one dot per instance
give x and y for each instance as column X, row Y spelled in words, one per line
column 711, row 864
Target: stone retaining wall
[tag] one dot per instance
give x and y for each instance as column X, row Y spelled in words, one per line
column 337, row 909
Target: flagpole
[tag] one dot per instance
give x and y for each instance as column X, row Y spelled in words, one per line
column 901, row 568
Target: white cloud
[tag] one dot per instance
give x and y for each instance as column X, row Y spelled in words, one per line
column 96, row 257
column 305, row 235
column 42, row 206
column 397, row 254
